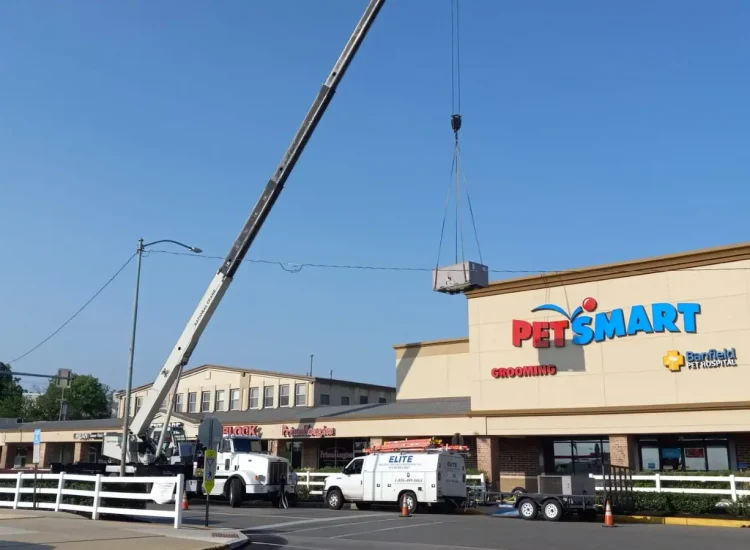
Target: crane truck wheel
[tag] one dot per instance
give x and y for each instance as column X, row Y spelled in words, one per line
column 235, row 492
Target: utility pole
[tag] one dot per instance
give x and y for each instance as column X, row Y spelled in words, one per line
column 126, row 415
column 311, row 363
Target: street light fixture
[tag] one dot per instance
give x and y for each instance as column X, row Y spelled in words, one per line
column 126, row 422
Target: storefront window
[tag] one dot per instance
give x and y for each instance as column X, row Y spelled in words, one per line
column 684, row 453
column 337, row 453
column 22, row 455
column 580, row 456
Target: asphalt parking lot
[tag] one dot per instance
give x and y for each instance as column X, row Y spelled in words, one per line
column 322, row 529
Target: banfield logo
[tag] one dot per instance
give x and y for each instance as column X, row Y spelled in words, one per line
column 660, row 317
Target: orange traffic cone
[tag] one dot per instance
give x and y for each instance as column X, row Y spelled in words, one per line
column 404, row 510
column 185, row 505
column 609, row 519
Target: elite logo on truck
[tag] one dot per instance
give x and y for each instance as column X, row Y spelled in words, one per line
column 660, row 317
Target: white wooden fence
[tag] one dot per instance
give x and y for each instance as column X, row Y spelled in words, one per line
column 659, row 480
column 166, row 487
column 315, row 481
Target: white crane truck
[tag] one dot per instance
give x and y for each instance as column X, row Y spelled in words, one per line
column 253, row 474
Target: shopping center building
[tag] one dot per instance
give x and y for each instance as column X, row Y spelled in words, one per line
column 640, row 364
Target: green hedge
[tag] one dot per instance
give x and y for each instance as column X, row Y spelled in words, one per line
column 689, row 504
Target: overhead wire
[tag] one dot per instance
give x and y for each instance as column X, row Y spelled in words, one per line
column 296, row 267
column 78, row 312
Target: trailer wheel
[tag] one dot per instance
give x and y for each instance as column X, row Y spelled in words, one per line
column 235, row 493
column 528, row 509
column 552, row 510
column 335, row 499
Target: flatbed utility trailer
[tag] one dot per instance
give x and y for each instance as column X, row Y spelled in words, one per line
column 553, row 507
column 560, row 495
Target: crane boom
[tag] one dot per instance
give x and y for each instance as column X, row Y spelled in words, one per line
column 202, row 315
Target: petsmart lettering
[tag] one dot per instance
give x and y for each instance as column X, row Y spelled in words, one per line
column 658, row 317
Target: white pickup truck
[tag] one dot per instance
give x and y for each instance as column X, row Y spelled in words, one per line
column 404, row 478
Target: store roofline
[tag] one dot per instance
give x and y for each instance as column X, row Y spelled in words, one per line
column 313, row 379
column 406, row 409
column 443, row 342
column 631, row 268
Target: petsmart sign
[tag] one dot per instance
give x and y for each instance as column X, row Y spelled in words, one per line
column 587, row 326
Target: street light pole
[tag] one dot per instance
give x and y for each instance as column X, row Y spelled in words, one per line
column 126, row 413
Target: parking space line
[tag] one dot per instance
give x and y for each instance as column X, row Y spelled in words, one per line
column 304, row 521
column 342, row 525
column 387, row 529
column 202, row 514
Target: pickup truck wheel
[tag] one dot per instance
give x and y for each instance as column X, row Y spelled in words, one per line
column 552, row 510
column 408, row 500
column 335, row 499
column 235, row 493
column 527, row 509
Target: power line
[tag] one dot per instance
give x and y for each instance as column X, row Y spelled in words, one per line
column 84, row 306
column 294, row 267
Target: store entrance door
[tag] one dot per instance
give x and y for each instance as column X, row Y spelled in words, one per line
column 293, row 453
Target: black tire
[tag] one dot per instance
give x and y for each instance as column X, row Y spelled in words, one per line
column 408, row 499
column 236, row 491
column 335, row 499
column 552, row 510
column 517, row 491
column 363, row 505
column 528, row 509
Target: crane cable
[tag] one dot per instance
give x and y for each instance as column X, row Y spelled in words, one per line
column 456, row 123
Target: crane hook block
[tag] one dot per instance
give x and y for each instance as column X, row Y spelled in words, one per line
column 456, row 123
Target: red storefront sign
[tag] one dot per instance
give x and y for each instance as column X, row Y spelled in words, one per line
column 524, row 372
column 307, row 431
column 242, row 430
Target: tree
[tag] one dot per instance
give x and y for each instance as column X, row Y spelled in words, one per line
column 86, row 398
column 11, row 394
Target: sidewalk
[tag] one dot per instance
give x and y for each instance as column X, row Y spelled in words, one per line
column 41, row 530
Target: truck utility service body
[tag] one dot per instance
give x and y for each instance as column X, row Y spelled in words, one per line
column 409, row 478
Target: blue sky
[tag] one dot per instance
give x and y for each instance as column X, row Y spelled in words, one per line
column 593, row 132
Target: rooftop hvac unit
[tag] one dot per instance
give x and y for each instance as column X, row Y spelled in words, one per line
column 457, row 278
column 566, row 485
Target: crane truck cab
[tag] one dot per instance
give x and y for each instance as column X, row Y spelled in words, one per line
column 407, row 473
column 245, row 472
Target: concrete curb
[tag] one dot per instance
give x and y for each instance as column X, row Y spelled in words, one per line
column 691, row 522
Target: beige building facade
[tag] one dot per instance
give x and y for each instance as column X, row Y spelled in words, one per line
column 643, row 364
column 218, row 389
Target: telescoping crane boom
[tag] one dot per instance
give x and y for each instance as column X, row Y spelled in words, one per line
column 143, row 451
